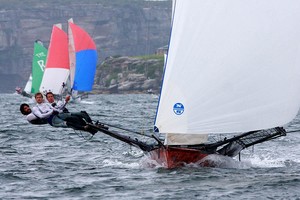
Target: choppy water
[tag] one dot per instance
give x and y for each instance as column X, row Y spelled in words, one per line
column 42, row 162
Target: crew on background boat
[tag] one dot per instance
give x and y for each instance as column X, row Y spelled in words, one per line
column 55, row 117
column 22, row 92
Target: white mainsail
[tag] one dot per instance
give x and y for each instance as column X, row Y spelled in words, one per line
column 232, row 66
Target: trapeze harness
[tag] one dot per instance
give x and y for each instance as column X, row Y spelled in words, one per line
column 49, row 119
column 38, row 121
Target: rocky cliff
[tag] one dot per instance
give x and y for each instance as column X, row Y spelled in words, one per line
column 129, row 74
column 119, row 27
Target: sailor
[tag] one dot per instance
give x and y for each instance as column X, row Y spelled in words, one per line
column 56, row 117
column 31, row 118
column 22, row 92
column 60, row 105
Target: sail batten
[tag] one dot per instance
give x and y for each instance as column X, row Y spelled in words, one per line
column 232, row 66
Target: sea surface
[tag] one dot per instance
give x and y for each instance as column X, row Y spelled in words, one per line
column 42, row 162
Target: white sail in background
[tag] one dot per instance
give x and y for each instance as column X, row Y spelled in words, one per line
column 57, row 64
column 28, row 85
column 232, row 66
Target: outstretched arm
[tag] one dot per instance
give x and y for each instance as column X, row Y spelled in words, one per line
column 61, row 105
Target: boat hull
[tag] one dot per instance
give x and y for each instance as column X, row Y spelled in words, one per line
column 172, row 157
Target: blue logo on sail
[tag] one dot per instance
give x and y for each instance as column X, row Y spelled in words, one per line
column 178, row 108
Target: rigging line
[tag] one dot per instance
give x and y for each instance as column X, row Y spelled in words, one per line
column 80, row 134
column 121, row 117
column 92, row 33
column 293, row 131
column 115, row 117
column 146, row 49
column 124, row 129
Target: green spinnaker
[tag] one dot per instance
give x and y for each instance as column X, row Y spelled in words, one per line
column 38, row 65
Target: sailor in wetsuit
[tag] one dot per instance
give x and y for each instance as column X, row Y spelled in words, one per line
column 56, row 117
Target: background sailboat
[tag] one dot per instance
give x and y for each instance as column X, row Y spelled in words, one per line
column 26, row 92
column 83, row 59
column 38, row 67
column 57, row 65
